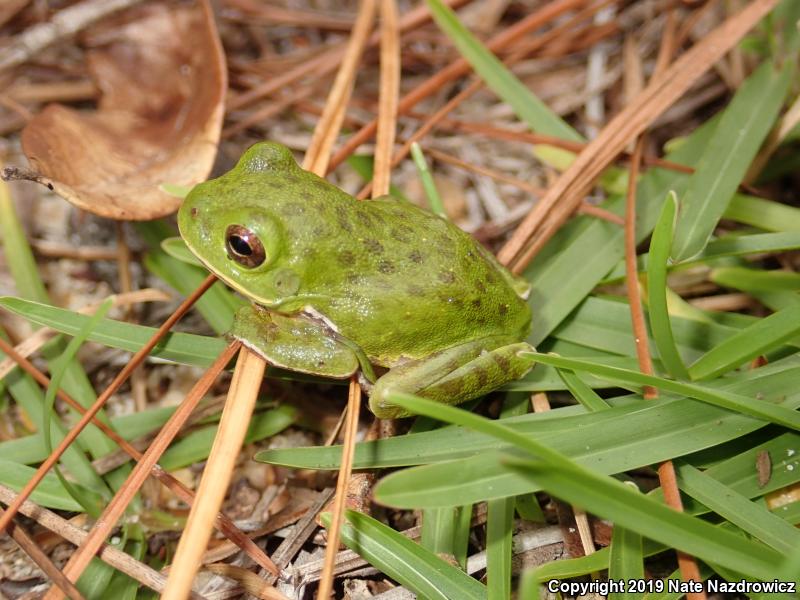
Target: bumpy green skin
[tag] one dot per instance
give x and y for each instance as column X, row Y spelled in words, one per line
column 393, row 284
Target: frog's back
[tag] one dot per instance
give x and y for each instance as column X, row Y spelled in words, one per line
column 409, row 283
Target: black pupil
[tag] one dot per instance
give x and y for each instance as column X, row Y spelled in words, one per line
column 240, row 245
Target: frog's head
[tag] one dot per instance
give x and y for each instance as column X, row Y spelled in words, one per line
column 232, row 226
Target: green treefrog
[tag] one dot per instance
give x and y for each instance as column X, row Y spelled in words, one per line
column 340, row 286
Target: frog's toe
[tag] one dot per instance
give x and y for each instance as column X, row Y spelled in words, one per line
column 381, row 407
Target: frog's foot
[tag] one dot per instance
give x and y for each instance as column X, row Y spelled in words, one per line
column 452, row 376
column 295, row 342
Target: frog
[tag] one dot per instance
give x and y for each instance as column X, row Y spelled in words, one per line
column 381, row 289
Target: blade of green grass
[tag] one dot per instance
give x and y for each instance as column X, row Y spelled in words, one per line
column 738, row 474
column 49, row 492
column 762, row 213
column 657, row 290
column 744, row 125
column 754, row 519
column 30, row 398
column 665, row 425
column 730, row 245
column 607, row 497
column 434, row 199
column 498, row 78
column 30, row 449
column 499, row 530
column 405, row 561
column 196, row 445
column 25, row 272
column 18, row 255
column 588, row 248
column 759, row 338
column 438, row 530
column 57, row 375
column 755, row 280
column 607, row 447
column 582, row 392
column 750, row 406
column 177, row 248
column 604, row 324
column 185, row 348
column 626, row 562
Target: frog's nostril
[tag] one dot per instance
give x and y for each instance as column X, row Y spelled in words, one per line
column 193, row 212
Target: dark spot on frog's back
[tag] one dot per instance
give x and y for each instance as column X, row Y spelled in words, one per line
column 373, row 246
column 415, row 256
column 415, row 290
column 502, row 309
column 447, row 277
column 402, row 233
column 386, row 267
column 346, row 258
column 364, row 217
column 480, row 286
column 476, row 303
column 342, row 218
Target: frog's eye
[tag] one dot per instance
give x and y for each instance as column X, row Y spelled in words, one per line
column 244, row 246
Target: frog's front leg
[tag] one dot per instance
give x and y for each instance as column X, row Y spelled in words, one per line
column 294, row 342
column 453, row 375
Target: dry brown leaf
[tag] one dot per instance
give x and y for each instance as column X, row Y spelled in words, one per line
column 162, row 76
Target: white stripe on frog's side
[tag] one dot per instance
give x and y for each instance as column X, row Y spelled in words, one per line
column 317, row 316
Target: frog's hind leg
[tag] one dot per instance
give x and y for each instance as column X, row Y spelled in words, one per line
column 452, row 376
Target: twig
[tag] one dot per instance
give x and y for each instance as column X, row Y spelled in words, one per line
column 64, row 23
column 632, row 273
column 301, row 531
column 73, row 433
column 75, row 535
column 666, row 470
column 224, row 524
column 586, row 208
column 112, row 513
column 270, row 110
column 328, row 61
column 337, row 516
column 217, row 475
column 563, row 198
column 457, row 68
column 389, row 93
column 37, row 555
column 319, row 149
